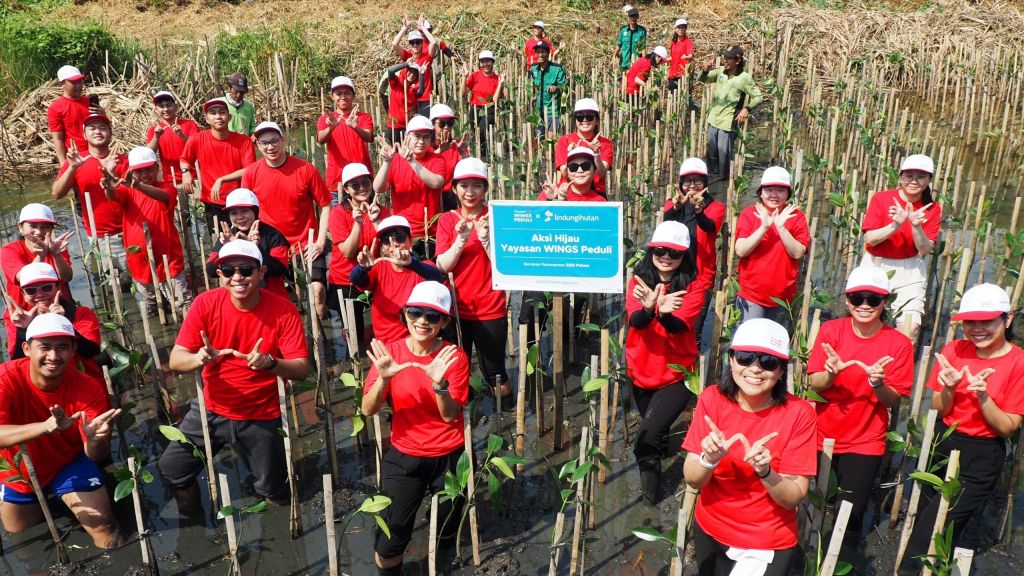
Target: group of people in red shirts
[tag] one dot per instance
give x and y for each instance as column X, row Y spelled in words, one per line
column 751, row 447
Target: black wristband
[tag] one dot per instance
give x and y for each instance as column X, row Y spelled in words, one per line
column 766, row 474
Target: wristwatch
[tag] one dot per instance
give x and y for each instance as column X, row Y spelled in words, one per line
column 873, row 385
column 443, row 388
column 185, row 170
column 273, row 362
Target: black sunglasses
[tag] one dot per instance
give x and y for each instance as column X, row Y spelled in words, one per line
column 873, row 300
column 245, row 270
column 766, row 361
column 399, row 235
column 360, row 183
column 577, row 166
column 660, row 251
column 447, row 123
column 45, row 289
column 431, row 316
column 586, row 117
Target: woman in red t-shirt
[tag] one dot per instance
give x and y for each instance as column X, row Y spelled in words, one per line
column 661, row 311
column 426, row 381
column 640, row 71
column 448, row 147
column 900, row 228
column 587, row 114
column 862, row 367
column 976, row 384
column 37, row 244
column 463, row 248
column 750, row 453
column 681, row 50
column 484, row 88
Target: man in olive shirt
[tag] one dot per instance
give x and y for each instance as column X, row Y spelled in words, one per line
column 548, row 80
column 243, row 113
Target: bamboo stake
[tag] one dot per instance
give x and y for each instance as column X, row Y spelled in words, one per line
column 915, row 491
column 207, row 446
column 824, row 476
column 149, row 567
column 62, row 551
column 295, row 520
column 556, row 547
column 471, row 494
column 952, row 470
column 838, row 532
column 435, row 501
column 229, row 521
column 602, row 433
column 332, row 545
column 581, row 511
column 521, row 401
column 682, row 525
column 963, row 558
column 558, row 375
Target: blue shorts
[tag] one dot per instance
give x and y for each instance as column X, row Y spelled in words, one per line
column 81, row 475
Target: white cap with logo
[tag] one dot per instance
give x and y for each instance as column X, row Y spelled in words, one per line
column 419, row 124
column 983, row 302
column 693, row 166
column 38, row 213
column 762, row 335
column 267, row 125
column 680, row 22
column 581, row 151
column 352, row 171
column 441, row 111
column 433, row 295
column 241, row 198
column 868, row 278
column 539, row 24
column 586, row 105
column 239, row 249
column 485, row 55
column 470, row 168
column 776, row 176
column 141, row 157
column 49, row 325
column 670, row 234
column 662, row 52
column 37, row 273
column 414, row 35
column 69, row 74
column 339, row 81
column 392, row 222
column 918, row 162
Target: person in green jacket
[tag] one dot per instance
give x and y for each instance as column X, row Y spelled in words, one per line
column 735, row 95
column 548, row 81
column 632, row 39
column 243, row 113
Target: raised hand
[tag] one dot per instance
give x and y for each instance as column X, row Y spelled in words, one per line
column 158, row 130
column 917, row 217
column 176, row 128
column 254, row 232
column 948, row 376
column 386, row 366
column 696, row 199
column 353, row 117
column 900, row 214
column 463, row 228
column 387, row 151
column 225, row 233
column 977, row 383
column 100, row 427
column 208, row 353
column 555, row 191
column 439, row 366
column 766, row 216
column 55, row 308
column 399, row 257
column 255, row 359
column 669, row 303
column 373, row 211
column 20, row 317
column 59, row 421
column 758, row 455
column 365, row 256
column 405, row 150
column 876, row 372
column 462, row 145
column 56, row 245
column 715, row 445
column 833, row 363
column 644, row 294
column 332, row 119
column 75, row 160
column 483, row 230
column 783, row 215
column 358, row 209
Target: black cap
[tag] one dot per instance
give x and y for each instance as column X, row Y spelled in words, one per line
column 633, row 13
column 239, row 81
column 733, row 52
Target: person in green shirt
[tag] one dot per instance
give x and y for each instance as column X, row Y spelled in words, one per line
column 632, row 40
column 548, row 81
column 243, row 113
column 735, row 95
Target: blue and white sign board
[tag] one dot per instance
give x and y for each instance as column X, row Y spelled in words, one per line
column 556, row 246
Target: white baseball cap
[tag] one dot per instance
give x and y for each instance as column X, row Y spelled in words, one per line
column 267, row 125
column 241, row 198
column 37, row 273
column 218, row 101
column 670, row 234
column 762, row 335
column 586, row 104
column 660, row 51
column 918, row 162
column 342, row 81
column 239, row 248
column 868, row 278
column 433, row 295
column 440, row 111
column 49, row 325
column 38, row 213
column 163, row 94
column 352, row 171
column 581, row 151
column 470, row 168
column 776, row 176
column 141, row 157
column 486, row 55
column 680, row 22
column 693, row 166
column 69, row 74
column 392, row 222
column 414, row 35
column 538, row 24
column 419, row 124
column 983, row 302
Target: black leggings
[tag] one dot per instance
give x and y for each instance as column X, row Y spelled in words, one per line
column 490, row 338
column 712, row 561
column 659, row 409
column 407, row 479
column 856, row 475
column 981, row 461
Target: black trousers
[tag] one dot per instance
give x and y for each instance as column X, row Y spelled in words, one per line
column 981, row 461
column 698, row 327
column 483, row 116
column 407, row 479
column 424, row 250
column 489, row 337
column 856, row 475
column 712, row 561
column 256, row 442
column 210, row 210
column 659, row 409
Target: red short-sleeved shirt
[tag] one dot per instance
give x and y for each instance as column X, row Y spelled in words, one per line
column 477, row 300
column 391, row 289
column 707, row 251
column 14, row 256
column 530, row 50
column 417, row 428
column 345, row 146
column 290, row 195
column 68, row 115
column 853, row 415
column 401, row 100
column 483, row 87
column 87, row 179
column 231, row 388
column 170, row 147
column 140, row 209
column 640, row 69
column 21, row 402
column 571, row 196
column 768, row 271
column 218, row 158
column 734, row 508
column 424, row 61
column 340, row 226
column 606, row 152
column 901, row 244
column 681, row 52
column 409, row 195
column 1004, row 387
column 649, row 350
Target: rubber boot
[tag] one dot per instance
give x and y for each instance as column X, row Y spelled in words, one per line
column 189, row 500
column 650, row 480
column 393, row 571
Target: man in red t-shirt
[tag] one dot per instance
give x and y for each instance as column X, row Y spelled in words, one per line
column 424, row 47
column 771, row 239
column 64, row 421
column 148, row 204
column 415, row 175
column 244, row 338
column 168, row 136
column 484, row 89
column 221, row 154
column 530, row 48
column 346, row 132
column 85, row 174
column 66, row 115
column 36, row 224
column 587, row 114
column 295, row 200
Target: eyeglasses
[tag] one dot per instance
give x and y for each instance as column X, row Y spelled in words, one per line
column 431, row 316
column 915, row 176
column 426, row 136
column 415, row 42
column 662, row 251
column 873, row 300
column 245, row 270
column 398, row 236
column 266, row 143
column 766, row 361
column 359, row 183
column 44, row 288
column 447, row 123
column 586, row 117
column 691, row 182
column 577, row 166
